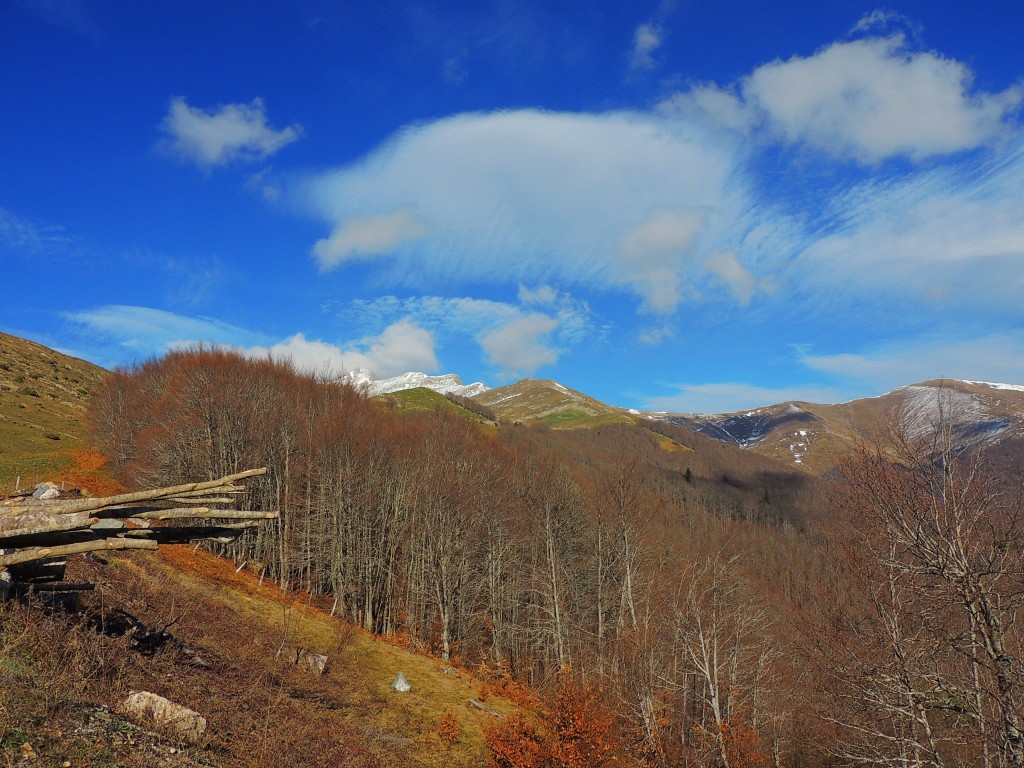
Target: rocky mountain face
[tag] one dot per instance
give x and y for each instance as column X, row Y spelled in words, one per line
column 444, row 384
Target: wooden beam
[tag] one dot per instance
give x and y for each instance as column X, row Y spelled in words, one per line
column 202, row 513
column 31, row 524
column 30, row 554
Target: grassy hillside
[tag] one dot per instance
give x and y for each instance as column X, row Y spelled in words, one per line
column 420, row 399
column 43, row 396
column 548, row 402
column 262, row 710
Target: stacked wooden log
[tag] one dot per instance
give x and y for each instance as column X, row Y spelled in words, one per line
column 36, row 535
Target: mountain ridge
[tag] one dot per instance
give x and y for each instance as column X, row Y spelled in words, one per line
column 446, row 383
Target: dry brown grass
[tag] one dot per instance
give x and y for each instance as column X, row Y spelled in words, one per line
column 263, row 711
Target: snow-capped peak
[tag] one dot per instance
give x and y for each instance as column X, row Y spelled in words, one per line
column 444, row 384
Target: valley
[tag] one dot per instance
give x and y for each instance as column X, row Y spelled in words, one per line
column 527, row 548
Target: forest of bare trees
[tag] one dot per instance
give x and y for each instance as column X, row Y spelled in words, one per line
column 726, row 614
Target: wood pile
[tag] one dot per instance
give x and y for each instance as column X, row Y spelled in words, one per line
column 37, row 535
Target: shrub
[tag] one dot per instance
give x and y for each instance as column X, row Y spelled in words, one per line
column 448, row 730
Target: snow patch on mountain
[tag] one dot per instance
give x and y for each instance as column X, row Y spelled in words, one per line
column 446, row 383
column 994, row 385
column 925, row 406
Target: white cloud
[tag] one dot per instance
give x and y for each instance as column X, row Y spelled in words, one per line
column 515, row 338
column 997, row 357
column 727, row 268
column 732, row 396
column 228, row 133
column 402, row 347
column 646, row 40
column 652, row 256
column 878, row 20
column 655, row 335
column 364, row 236
column 712, row 104
column 948, row 237
column 542, row 295
column 534, row 197
column 27, row 237
column 871, row 99
column 521, row 346
column 149, row 331
column 264, row 183
column 671, row 208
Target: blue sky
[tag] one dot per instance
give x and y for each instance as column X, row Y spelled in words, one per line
column 692, row 206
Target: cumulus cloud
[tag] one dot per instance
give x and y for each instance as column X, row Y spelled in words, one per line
column 646, row 40
column 224, row 134
column 521, row 346
column 402, row 347
column 712, row 104
column 517, row 339
column 872, row 98
column 366, row 236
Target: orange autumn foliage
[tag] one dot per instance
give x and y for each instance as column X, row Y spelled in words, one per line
column 581, row 729
column 578, row 735
column 448, row 730
column 516, row 744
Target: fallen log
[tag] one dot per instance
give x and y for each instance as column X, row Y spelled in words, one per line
column 483, row 708
column 36, row 522
column 29, row 554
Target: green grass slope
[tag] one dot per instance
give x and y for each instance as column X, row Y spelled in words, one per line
column 43, row 397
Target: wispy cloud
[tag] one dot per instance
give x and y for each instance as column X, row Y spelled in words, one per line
column 72, row 15
column 647, row 39
column 147, row 331
column 734, row 396
column 869, row 371
column 21, row 236
column 996, row 357
column 902, row 184
column 951, row 237
column 224, row 134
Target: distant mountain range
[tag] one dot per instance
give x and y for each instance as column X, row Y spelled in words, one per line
column 808, row 436
column 817, row 436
